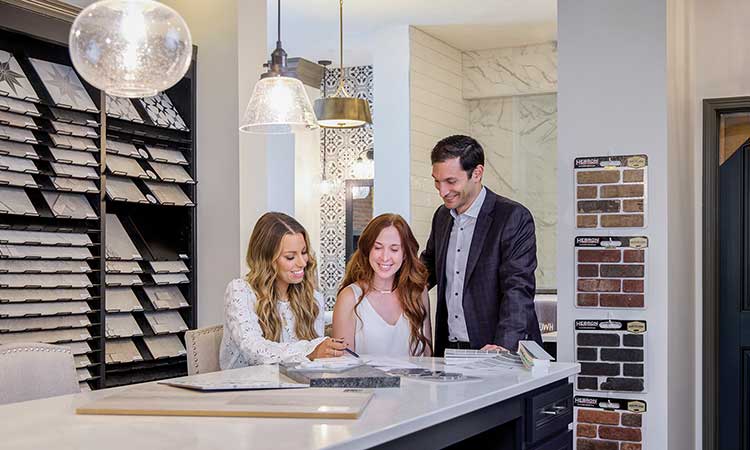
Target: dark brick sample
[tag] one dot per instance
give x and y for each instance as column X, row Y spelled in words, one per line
column 621, row 354
column 586, row 354
column 620, row 433
column 588, row 299
column 622, row 270
column 598, row 206
column 586, row 430
column 598, row 176
column 632, row 420
column 622, row 300
column 632, row 340
column 587, row 383
column 598, row 340
column 598, row 285
column 632, row 285
column 598, row 416
column 632, row 370
column 589, row 444
column 599, row 255
column 588, row 270
column 622, row 220
column 623, row 384
column 600, row 369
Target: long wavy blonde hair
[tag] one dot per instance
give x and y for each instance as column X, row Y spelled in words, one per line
column 262, row 252
column 410, row 280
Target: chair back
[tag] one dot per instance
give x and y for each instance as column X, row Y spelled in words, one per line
column 203, row 347
column 33, row 370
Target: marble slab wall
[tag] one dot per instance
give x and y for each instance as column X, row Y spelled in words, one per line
column 510, row 71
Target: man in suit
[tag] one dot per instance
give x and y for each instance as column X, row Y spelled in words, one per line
column 481, row 253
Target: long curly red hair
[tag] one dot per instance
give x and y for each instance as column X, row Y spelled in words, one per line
column 410, row 280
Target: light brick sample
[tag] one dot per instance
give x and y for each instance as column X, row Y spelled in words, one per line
column 611, row 191
column 610, row 271
column 612, row 354
column 609, row 423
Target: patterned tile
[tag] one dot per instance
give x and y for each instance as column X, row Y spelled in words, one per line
column 163, row 113
column 122, row 108
column 13, row 81
column 63, row 85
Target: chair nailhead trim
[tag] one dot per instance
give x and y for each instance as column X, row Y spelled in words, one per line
column 35, row 349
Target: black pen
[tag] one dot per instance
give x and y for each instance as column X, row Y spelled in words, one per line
column 346, row 349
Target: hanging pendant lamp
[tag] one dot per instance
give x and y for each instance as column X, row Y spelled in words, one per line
column 130, row 48
column 341, row 110
column 279, row 103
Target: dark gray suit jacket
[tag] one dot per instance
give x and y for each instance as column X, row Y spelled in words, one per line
column 499, row 285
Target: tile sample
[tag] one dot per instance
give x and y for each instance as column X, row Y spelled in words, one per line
column 169, row 194
column 611, row 354
column 45, row 281
column 73, row 157
column 609, row 423
column 166, row 155
column 74, row 143
column 18, row 150
column 13, row 80
column 164, row 346
column 82, row 361
column 122, row 108
column 44, row 238
column 611, row 191
column 167, row 266
column 43, row 295
column 78, row 348
column 123, row 280
column 18, row 135
column 45, row 252
column 74, row 185
column 122, row 351
column 119, row 244
column 122, row 299
column 165, row 297
column 64, row 204
column 17, row 120
column 170, row 278
column 120, row 165
column 123, row 267
column 122, row 325
column 17, row 179
column 123, row 189
column 44, row 323
column 84, row 374
column 172, row 173
column 17, row 164
column 165, row 322
column 63, row 85
column 75, row 117
column 18, row 107
column 162, row 112
column 610, row 271
column 122, row 149
column 15, row 201
column 69, row 129
column 43, row 309
column 69, row 170
column 42, row 266
column 49, row 337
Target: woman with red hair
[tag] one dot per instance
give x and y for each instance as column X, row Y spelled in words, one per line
column 382, row 306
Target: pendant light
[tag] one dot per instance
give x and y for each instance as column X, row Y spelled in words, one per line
column 341, row 110
column 364, row 167
column 279, row 103
column 130, row 48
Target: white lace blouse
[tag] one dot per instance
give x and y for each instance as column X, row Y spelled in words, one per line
column 243, row 343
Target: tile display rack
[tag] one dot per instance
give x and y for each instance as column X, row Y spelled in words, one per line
column 57, row 267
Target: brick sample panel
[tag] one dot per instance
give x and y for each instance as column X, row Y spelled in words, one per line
column 610, row 271
column 611, row 191
column 609, row 423
column 612, row 354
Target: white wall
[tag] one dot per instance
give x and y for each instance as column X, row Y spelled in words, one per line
column 612, row 99
column 437, row 110
column 214, row 29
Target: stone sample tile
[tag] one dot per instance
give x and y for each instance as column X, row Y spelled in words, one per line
column 611, row 191
column 609, row 423
column 610, row 271
column 63, row 85
column 612, row 354
column 13, row 81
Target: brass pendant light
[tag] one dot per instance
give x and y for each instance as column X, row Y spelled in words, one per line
column 341, row 110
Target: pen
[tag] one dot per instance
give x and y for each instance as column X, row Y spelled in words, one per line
column 346, row 349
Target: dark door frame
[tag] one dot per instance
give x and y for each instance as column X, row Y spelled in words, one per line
column 712, row 111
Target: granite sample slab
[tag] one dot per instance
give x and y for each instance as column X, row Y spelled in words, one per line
column 611, row 191
column 610, row 423
column 63, row 85
column 13, row 80
column 611, row 271
column 363, row 376
column 612, row 354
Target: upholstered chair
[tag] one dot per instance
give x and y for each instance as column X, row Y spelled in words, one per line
column 203, row 349
column 30, row 371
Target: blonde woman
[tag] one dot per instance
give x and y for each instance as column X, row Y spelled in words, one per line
column 275, row 314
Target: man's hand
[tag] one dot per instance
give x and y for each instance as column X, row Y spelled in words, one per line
column 495, row 348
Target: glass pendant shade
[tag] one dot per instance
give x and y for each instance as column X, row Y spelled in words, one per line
column 363, row 169
column 130, row 48
column 342, row 112
column 279, row 105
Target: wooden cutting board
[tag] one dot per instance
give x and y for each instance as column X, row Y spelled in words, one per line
column 323, row 403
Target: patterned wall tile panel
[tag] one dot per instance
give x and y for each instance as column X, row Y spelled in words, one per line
column 340, row 149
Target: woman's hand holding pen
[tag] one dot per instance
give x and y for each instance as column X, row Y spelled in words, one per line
column 329, row 348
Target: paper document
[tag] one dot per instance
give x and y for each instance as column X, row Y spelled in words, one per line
column 232, row 385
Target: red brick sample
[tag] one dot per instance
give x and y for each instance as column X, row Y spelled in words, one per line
column 610, row 271
column 609, row 423
column 611, row 191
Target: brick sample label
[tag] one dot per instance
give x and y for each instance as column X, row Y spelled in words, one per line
column 612, row 354
column 611, row 191
column 609, row 423
column 610, row 271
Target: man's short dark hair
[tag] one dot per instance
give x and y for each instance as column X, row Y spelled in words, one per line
column 467, row 149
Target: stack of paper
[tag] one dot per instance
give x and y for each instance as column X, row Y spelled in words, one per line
column 534, row 357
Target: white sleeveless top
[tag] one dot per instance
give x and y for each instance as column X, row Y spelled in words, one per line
column 375, row 336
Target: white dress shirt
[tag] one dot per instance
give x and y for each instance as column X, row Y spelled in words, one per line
column 455, row 267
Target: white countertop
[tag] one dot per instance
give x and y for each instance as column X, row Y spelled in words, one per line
column 392, row 413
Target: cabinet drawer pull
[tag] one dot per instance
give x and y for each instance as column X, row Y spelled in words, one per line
column 554, row 410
